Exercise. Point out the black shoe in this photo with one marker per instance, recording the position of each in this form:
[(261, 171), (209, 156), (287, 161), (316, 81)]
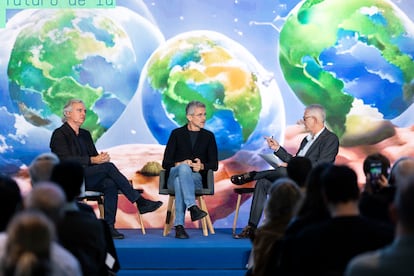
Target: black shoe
[(196, 213), (240, 179), (115, 234), (145, 205), (246, 233), (180, 232)]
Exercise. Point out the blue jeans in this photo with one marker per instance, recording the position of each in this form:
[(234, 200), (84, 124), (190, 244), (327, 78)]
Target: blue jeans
[(106, 178), (184, 182)]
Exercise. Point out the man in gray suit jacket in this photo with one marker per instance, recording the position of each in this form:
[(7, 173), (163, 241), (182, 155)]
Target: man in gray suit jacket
[(319, 146)]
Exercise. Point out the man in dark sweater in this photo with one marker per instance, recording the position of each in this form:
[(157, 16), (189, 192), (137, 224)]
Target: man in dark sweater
[(190, 152)]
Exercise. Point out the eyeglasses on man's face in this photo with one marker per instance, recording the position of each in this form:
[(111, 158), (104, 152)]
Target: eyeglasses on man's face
[(307, 117), (79, 110), (199, 115)]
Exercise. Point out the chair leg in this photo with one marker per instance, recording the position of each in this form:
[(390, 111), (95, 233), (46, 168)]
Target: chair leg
[(206, 222), (101, 208), (203, 220), (204, 226), (209, 223), (236, 214), (101, 211), (142, 223), (170, 216)]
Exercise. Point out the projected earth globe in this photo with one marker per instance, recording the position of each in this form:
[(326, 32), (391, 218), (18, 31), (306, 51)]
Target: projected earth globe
[(355, 57), (55, 55), (242, 102), (72, 54)]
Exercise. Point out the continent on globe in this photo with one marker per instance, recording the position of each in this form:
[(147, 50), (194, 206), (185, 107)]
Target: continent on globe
[(70, 54), (242, 105), (51, 55), (354, 57)]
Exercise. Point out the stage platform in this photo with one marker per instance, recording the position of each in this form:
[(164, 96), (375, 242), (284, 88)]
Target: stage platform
[(153, 254)]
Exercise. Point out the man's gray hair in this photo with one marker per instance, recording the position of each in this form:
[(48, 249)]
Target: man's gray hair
[(284, 199), (68, 107), (41, 167), (318, 111), (48, 198), (191, 106)]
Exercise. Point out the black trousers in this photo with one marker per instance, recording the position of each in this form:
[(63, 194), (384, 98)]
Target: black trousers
[(106, 178)]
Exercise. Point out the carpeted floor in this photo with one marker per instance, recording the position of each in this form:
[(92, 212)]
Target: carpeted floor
[(153, 254)]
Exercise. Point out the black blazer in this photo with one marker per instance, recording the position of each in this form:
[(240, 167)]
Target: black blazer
[(179, 148), (64, 144), (323, 150)]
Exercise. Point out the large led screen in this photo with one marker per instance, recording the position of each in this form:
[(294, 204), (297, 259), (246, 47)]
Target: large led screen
[(255, 64)]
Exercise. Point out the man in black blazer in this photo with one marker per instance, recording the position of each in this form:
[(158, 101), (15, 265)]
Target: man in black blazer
[(190, 152), (73, 143), (319, 146)]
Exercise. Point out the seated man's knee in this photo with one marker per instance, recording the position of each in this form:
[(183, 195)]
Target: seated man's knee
[(184, 168), (263, 184), (109, 166), (109, 186)]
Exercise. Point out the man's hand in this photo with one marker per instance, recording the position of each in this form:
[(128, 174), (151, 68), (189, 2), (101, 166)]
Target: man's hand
[(197, 165), (381, 183), (272, 143), (100, 158), (187, 161)]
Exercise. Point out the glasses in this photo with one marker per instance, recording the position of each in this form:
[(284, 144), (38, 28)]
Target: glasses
[(306, 117), (199, 115), (80, 110)]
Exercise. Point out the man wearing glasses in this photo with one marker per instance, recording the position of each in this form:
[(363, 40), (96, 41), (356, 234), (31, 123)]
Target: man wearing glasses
[(73, 143), (319, 146), (190, 152)]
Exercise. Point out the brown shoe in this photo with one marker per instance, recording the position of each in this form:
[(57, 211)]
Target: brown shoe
[(246, 233)]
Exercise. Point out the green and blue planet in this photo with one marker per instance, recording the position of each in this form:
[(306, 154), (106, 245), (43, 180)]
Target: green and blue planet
[(137, 66)]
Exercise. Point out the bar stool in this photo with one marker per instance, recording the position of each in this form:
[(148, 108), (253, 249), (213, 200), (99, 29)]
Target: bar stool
[(240, 192)]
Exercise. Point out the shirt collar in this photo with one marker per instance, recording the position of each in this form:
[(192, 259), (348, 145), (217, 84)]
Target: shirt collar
[(309, 137)]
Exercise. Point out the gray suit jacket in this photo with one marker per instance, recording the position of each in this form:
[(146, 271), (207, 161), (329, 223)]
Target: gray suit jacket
[(323, 150)]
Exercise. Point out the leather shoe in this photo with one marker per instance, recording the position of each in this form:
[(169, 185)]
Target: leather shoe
[(196, 213), (115, 234), (246, 233), (145, 205), (240, 179), (180, 232)]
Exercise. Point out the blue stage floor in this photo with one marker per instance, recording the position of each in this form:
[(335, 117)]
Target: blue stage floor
[(153, 254)]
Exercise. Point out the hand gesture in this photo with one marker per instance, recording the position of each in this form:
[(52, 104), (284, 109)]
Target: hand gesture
[(272, 143)]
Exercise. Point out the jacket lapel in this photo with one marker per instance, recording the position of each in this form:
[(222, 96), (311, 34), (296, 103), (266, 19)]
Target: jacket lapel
[(316, 142)]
